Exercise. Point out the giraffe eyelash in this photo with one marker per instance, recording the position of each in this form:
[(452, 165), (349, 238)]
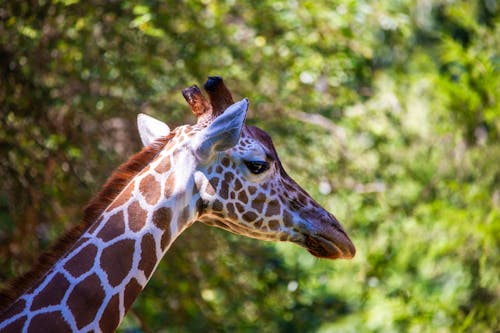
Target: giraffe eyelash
[(257, 167)]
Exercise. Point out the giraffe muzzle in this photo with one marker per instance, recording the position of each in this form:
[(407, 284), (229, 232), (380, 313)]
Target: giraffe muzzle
[(337, 246), (324, 237)]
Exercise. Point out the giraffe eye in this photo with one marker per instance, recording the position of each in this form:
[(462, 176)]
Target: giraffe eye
[(257, 167)]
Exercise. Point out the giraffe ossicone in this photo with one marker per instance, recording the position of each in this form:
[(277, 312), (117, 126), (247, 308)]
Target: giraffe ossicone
[(218, 171)]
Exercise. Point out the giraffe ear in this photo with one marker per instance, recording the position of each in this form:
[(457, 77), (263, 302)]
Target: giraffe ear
[(223, 132), (150, 128)]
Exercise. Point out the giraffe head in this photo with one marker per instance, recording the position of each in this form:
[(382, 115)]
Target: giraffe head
[(239, 181)]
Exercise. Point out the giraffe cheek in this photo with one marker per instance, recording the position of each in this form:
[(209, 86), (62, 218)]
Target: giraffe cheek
[(249, 216), (231, 211), (243, 197), (258, 202), (273, 208), (287, 219), (274, 225), (224, 190), (217, 206)]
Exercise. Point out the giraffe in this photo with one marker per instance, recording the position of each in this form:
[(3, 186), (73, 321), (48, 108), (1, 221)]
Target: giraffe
[(218, 171)]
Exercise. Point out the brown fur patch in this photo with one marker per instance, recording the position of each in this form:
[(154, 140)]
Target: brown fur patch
[(252, 190), (148, 254), (162, 218), (287, 218), (113, 186), (132, 290), (169, 185), (273, 208), (258, 202), (231, 213), (136, 216), (224, 190), (85, 300), (214, 182), (116, 260), (217, 206), (111, 315), (239, 207), (237, 185), (114, 227), (123, 198), (150, 189), (274, 224), (49, 322), (228, 177), (164, 165), (82, 261), (52, 294), (249, 216), (242, 197)]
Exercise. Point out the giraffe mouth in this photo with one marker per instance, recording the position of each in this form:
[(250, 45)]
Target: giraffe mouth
[(337, 246)]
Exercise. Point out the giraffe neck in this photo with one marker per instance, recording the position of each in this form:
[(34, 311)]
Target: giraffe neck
[(92, 286)]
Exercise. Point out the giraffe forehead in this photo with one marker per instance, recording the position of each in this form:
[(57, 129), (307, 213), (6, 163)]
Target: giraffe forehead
[(248, 148)]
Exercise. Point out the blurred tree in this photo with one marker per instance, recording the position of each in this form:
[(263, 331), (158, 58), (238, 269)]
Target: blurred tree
[(388, 113)]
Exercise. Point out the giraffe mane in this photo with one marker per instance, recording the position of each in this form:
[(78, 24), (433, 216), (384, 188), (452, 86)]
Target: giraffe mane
[(113, 186)]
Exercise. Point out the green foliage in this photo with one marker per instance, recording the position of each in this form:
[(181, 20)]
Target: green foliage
[(387, 112)]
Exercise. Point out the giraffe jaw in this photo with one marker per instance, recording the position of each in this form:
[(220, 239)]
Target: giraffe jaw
[(337, 246), (328, 241)]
